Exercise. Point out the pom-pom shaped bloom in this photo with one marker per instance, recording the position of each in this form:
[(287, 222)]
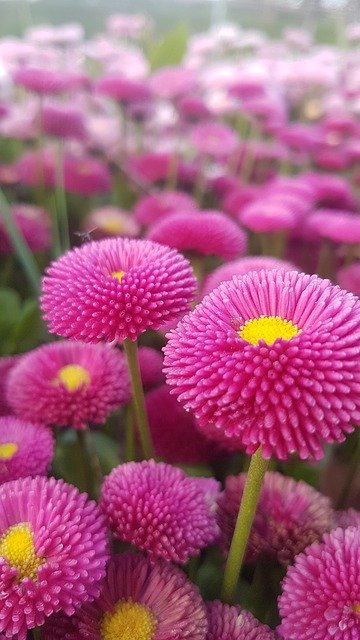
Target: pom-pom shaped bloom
[(337, 226), (348, 518), (62, 120), (349, 278), (159, 509), (26, 449), (241, 267), (154, 207), (69, 384), (123, 90), (233, 623), (42, 81), (110, 221), (174, 433), (53, 552), (37, 168), (271, 358), (268, 216), (140, 600), (34, 225), (206, 232), (85, 175), (213, 139), (321, 592), (151, 364), (116, 289), (290, 516)]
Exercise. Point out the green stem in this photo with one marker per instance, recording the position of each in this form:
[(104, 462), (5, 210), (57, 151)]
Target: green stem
[(131, 351), (129, 433), (60, 196), (89, 462), (22, 251), (351, 473), (37, 633), (250, 498)]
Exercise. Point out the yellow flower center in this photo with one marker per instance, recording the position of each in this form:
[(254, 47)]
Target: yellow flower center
[(8, 450), (128, 621), (118, 274), (112, 225), (356, 607), (268, 328), (18, 549), (73, 376)]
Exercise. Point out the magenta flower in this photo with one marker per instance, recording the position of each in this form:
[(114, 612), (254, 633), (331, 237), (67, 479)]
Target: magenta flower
[(123, 90), (268, 215), (69, 384), (42, 81), (62, 120), (332, 191), (26, 449), (154, 207), (151, 364), (172, 83), (110, 221), (53, 552), (159, 509), (271, 358), (321, 592), (233, 623), (37, 168), (116, 289), (86, 176), (205, 232), (348, 518), (213, 139), (33, 224), (337, 226), (174, 431), (241, 267), (349, 278), (290, 516), (141, 600)]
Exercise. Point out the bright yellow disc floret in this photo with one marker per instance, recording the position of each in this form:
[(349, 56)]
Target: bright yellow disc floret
[(18, 549), (128, 621), (268, 328)]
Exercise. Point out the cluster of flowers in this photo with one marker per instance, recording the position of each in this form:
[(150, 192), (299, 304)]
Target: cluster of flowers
[(239, 353)]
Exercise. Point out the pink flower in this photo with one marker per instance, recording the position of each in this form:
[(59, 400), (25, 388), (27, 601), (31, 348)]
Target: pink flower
[(114, 289), (268, 215), (110, 221), (337, 226), (62, 120), (271, 358), (53, 552), (151, 364), (321, 592), (332, 191), (151, 601), (213, 139), (348, 518), (241, 267), (42, 81), (37, 167), (234, 623), (290, 516), (85, 175), (33, 224), (205, 232), (26, 449), (171, 83), (154, 207), (159, 509), (123, 90), (69, 384), (349, 278), (174, 432)]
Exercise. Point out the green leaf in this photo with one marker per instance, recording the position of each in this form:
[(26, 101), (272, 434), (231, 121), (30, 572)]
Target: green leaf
[(10, 308), (171, 49)]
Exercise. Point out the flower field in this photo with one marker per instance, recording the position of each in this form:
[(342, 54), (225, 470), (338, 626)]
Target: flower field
[(179, 334)]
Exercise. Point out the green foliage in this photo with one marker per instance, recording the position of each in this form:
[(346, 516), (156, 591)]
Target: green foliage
[(170, 49), (20, 323)]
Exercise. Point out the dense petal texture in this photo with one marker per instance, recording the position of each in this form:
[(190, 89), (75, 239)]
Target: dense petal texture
[(289, 517), (233, 623), (207, 233), (271, 358), (321, 592), (158, 588), (26, 449), (116, 289), (53, 552), (69, 384), (159, 509)]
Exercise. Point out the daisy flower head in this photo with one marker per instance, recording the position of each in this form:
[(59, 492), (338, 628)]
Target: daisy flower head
[(26, 449), (115, 289), (53, 552), (69, 383), (159, 509), (140, 600), (271, 358), (234, 623), (321, 592)]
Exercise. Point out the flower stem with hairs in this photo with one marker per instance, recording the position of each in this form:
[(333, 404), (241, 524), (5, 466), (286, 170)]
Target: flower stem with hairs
[(131, 350), (255, 476)]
